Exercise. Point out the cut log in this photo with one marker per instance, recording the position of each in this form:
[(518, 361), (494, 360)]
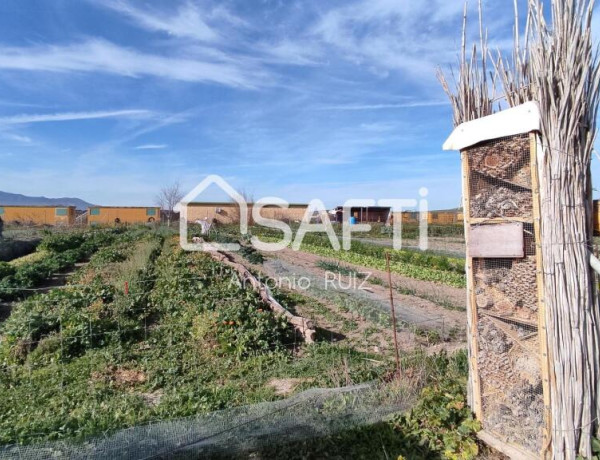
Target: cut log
[(506, 159), (303, 326), (483, 301)]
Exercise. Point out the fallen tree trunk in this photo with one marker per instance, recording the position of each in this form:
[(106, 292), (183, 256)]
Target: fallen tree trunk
[(303, 326)]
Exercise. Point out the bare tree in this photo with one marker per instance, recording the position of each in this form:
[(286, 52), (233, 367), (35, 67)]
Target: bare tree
[(235, 212), (168, 198)]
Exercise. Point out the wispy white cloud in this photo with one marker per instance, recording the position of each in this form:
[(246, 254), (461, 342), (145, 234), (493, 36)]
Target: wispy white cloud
[(71, 116), (215, 31), (102, 56), (188, 21), (151, 147), (402, 105), (385, 35), (301, 52), (19, 104), (17, 138), (155, 125)]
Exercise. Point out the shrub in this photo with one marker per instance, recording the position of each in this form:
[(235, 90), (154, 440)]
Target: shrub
[(59, 242), (6, 270)]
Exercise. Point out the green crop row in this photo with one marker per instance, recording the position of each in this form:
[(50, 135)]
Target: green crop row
[(401, 268), (187, 339), (377, 261), (423, 259), (88, 312), (61, 251)]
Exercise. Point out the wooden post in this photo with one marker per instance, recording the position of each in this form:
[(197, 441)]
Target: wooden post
[(474, 389), (389, 271), (542, 331)]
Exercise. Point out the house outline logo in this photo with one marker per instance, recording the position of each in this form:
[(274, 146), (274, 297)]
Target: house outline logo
[(182, 208)]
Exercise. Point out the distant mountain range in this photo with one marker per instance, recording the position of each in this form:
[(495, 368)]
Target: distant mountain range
[(16, 199)]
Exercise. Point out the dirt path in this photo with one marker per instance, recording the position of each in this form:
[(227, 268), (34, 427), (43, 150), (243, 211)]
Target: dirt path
[(426, 298), (372, 299), (355, 310)]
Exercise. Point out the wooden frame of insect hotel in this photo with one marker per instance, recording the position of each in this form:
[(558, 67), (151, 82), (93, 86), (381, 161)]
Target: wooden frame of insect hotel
[(508, 361)]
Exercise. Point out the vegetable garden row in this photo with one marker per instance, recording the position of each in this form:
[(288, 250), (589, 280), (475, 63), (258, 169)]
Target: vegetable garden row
[(145, 332), (412, 264)]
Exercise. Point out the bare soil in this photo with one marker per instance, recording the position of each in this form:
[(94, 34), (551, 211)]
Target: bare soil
[(413, 307)]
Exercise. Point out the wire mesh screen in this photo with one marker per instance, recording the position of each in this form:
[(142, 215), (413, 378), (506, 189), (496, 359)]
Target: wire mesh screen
[(507, 288), (508, 359), (505, 292), (242, 432), (500, 178)]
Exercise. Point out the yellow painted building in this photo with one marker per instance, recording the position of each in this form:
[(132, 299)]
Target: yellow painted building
[(113, 215), (229, 213), (443, 218), (38, 215), (434, 217)]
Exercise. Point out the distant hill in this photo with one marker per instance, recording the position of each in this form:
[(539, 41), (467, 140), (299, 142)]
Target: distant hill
[(17, 199)]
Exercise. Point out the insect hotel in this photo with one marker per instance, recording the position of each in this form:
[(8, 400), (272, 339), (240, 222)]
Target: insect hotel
[(508, 361)]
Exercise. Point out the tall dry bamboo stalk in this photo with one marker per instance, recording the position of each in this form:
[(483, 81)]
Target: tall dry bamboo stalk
[(471, 94), (470, 98), (563, 77), (559, 69)]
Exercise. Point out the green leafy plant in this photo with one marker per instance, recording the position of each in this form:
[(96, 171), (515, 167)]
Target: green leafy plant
[(595, 450), (6, 270), (412, 264), (441, 421)]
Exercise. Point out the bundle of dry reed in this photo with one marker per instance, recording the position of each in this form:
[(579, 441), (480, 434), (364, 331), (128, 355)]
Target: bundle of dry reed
[(559, 69)]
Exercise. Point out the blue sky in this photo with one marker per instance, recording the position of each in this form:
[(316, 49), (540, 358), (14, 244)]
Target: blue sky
[(110, 100)]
